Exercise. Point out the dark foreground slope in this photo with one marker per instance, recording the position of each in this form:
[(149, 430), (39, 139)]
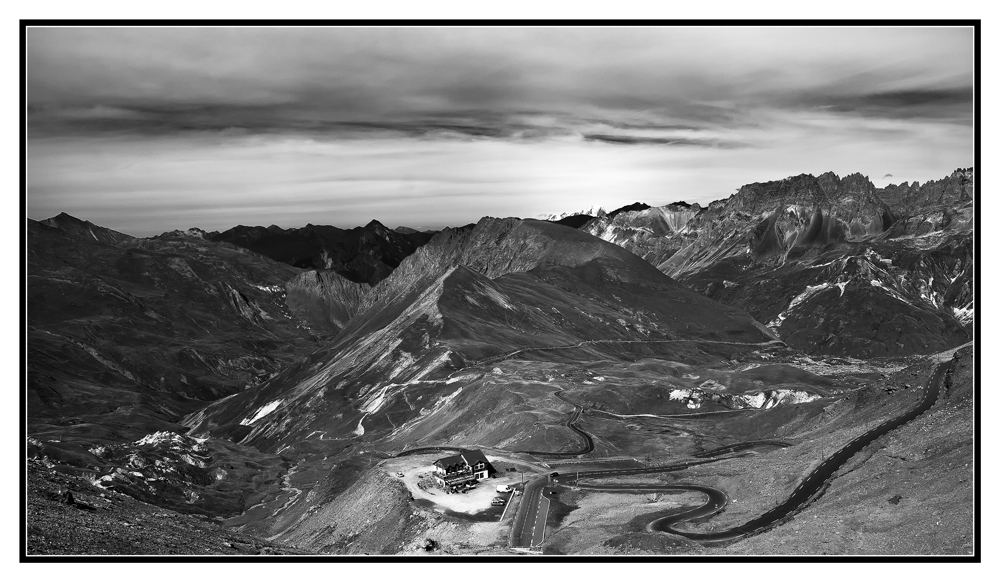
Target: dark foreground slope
[(68, 516)]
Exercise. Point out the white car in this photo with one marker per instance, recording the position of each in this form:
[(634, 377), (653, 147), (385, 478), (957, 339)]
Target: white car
[(504, 488)]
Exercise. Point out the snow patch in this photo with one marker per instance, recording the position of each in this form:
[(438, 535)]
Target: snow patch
[(445, 400), (160, 437), (798, 299), (436, 363), (360, 431), (680, 394), (890, 292), (375, 401), (965, 314), (262, 412)]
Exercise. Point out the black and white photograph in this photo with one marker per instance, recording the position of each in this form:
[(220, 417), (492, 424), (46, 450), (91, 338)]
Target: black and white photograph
[(513, 290)]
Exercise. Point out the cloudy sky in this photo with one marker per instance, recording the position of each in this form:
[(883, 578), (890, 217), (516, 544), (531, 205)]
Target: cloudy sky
[(150, 129)]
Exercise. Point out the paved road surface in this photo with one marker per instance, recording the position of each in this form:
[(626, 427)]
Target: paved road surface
[(527, 518)]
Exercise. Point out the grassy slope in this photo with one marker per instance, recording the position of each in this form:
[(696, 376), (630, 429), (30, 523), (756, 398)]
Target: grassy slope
[(911, 492)]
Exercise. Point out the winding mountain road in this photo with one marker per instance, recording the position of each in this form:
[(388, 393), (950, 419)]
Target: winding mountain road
[(588, 440), (813, 482), (530, 510)]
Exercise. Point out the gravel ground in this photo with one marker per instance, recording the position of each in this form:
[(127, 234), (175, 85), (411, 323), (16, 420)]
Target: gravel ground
[(418, 469)]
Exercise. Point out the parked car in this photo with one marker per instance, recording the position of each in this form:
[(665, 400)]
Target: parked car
[(400, 475), (504, 488), (498, 501)]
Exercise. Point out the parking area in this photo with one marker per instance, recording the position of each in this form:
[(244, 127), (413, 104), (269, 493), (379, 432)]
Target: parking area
[(418, 472)]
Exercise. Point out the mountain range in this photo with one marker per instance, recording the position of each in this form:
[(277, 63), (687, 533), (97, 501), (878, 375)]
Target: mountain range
[(270, 379), (813, 256)]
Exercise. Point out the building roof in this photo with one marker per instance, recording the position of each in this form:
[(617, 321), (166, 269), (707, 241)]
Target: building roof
[(475, 456), (452, 460), (467, 457)]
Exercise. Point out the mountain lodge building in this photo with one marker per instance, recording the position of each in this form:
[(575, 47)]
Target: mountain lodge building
[(461, 468)]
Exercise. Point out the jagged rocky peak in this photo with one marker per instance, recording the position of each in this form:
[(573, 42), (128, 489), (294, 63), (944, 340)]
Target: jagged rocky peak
[(593, 211), (378, 227), (955, 190), (804, 211), (193, 232), (683, 205), (635, 206), (661, 220), (764, 197)]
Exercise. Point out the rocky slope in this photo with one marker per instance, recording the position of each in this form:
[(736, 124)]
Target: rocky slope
[(466, 297), (833, 265), (68, 515), (652, 233), (363, 254), (954, 191), (125, 335)]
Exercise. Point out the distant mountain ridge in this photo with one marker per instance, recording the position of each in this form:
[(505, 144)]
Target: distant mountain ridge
[(593, 211), (363, 254), (73, 225)]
